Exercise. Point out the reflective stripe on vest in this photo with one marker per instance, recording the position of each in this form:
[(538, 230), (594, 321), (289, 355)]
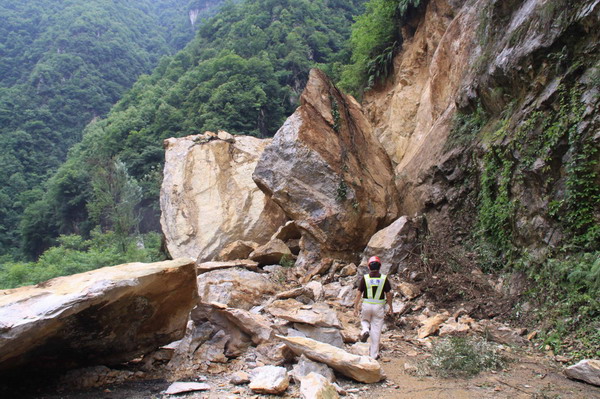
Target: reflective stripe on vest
[(371, 282)]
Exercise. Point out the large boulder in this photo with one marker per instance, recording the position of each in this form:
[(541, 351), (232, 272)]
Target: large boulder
[(208, 198), (397, 244), (360, 368), (329, 173), (105, 316), (236, 288)]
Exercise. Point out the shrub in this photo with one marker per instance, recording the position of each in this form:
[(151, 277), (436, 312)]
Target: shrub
[(463, 357)]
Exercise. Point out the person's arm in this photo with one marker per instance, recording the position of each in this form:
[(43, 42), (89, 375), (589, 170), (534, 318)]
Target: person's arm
[(357, 302), (388, 296)]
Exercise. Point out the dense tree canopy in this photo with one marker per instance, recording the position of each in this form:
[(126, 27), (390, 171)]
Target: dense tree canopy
[(63, 64), (242, 73)]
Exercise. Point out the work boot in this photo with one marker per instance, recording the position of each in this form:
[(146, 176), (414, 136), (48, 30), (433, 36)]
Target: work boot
[(364, 336)]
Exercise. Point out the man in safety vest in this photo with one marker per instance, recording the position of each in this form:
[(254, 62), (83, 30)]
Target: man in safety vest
[(374, 290)]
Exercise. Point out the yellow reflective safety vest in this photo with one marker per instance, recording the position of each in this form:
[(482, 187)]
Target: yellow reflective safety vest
[(379, 282)]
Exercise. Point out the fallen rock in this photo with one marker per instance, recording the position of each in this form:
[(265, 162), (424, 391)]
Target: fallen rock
[(453, 328), (317, 289), (431, 325), (360, 348), (499, 333), (360, 368), (347, 296), (396, 244), (182, 387), (294, 293), (328, 172), (236, 250), (587, 370), (315, 386), (240, 378), (332, 290), (306, 366), (318, 314), (105, 316), (210, 266), (274, 353), (256, 326), (236, 288), (408, 290), (331, 336), (269, 380), (349, 270), (208, 198), (271, 253)]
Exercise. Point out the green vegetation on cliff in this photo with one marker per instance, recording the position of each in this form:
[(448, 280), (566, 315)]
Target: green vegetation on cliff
[(376, 38)]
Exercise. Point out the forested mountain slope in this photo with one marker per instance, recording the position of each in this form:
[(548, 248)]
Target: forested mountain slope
[(242, 73), (62, 64)]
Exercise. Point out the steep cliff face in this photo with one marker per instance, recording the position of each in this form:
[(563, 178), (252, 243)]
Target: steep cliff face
[(491, 118)]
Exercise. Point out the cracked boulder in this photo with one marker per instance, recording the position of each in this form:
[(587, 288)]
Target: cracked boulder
[(327, 171)]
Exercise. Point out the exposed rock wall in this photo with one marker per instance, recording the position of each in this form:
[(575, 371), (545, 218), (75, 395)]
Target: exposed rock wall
[(494, 66), (208, 198), (328, 172)]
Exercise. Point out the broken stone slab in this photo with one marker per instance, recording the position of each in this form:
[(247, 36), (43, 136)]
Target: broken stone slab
[(242, 263), (328, 335), (305, 366), (274, 353), (272, 380), (105, 316), (315, 386), (236, 288), (587, 370), (182, 387), (258, 327), (360, 368), (319, 314), (431, 325), (271, 253), (348, 270), (294, 293)]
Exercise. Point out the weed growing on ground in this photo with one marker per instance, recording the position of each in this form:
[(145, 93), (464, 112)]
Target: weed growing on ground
[(463, 357)]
